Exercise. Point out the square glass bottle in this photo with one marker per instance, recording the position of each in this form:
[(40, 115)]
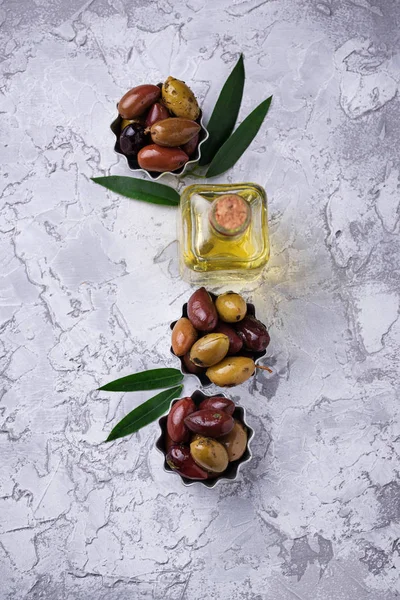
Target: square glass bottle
[(223, 232)]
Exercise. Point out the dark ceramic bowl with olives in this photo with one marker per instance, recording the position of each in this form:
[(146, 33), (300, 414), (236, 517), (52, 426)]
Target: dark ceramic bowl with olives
[(205, 439), (159, 128), (219, 339)]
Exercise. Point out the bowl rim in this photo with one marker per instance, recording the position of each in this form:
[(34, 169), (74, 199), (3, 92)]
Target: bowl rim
[(152, 175), (208, 483)]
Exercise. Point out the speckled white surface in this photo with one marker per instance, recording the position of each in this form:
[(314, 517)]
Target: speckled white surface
[(90, 282)]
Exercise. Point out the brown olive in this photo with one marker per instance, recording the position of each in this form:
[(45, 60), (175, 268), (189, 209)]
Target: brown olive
[(231, 371), (201, 310), (235, 341), (191, 367), (191, 146), (137, 100), (168, 442), (209, 350), (184, 336), (209, 454), (218, 403), (235, 441), (173, 131), (231, 307), (157, 112), (209, 422), (181, 461), (176, 427), (157, 158), (253, 333)]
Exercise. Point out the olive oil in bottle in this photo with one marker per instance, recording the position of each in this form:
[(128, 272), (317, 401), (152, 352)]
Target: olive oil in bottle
[(223, 232)]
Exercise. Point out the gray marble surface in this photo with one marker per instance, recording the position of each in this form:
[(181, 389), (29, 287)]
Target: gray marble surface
[(89, 283)]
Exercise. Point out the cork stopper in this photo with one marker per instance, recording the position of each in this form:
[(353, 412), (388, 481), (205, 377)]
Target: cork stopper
[(230, 214)]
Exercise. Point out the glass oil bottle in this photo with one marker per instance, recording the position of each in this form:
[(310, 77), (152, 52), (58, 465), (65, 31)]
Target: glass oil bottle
[(223, 233)]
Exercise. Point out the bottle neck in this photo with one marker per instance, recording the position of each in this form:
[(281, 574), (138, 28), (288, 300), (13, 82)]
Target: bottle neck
[(230, 215)]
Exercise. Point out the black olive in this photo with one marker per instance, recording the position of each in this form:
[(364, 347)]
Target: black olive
[(132, 139)]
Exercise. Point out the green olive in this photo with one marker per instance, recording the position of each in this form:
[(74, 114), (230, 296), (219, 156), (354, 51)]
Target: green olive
[(179, 99), (209, 350), (235, 441), (231, 307), (126, 122), (209, 454), (231, 371)]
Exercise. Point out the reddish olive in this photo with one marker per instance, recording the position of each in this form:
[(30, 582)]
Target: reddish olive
[(191, 367), (168, 442), (210, 423), (253, 333), (218, 403), (160, 159), (191, 146), (176, 427), (235, 341), (157, 112), (201, 310), (137, 100), (181, 461)]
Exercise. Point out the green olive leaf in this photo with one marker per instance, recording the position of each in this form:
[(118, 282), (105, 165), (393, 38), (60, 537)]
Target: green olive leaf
[(139, 189), (239, 141), (144, 414), (153, 379), (224, 115)]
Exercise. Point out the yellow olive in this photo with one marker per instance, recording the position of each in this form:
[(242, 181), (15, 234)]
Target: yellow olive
[(179, 99), (231, 371), (209, 350), (209, 454), (184, 336), (231, 307), (235, 441), (126, 122)]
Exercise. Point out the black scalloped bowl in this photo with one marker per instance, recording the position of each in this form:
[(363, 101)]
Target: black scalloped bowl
[(233, 469), (203, 379), (153, 175)]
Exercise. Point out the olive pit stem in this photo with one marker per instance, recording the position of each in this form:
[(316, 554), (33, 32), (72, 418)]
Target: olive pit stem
[(264, 368)]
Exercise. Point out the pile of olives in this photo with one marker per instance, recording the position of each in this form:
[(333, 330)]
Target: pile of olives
[(159, 128), (218, 338), (201, 440)]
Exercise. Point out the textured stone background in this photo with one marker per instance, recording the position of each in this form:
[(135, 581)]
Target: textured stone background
[(89, 284)]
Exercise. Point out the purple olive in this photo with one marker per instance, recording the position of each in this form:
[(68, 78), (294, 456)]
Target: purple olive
[(253, 333), (218, 403), (176, 428), (201, 310), (181, 461), (132, 139), (209, 422), (235, 341)]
